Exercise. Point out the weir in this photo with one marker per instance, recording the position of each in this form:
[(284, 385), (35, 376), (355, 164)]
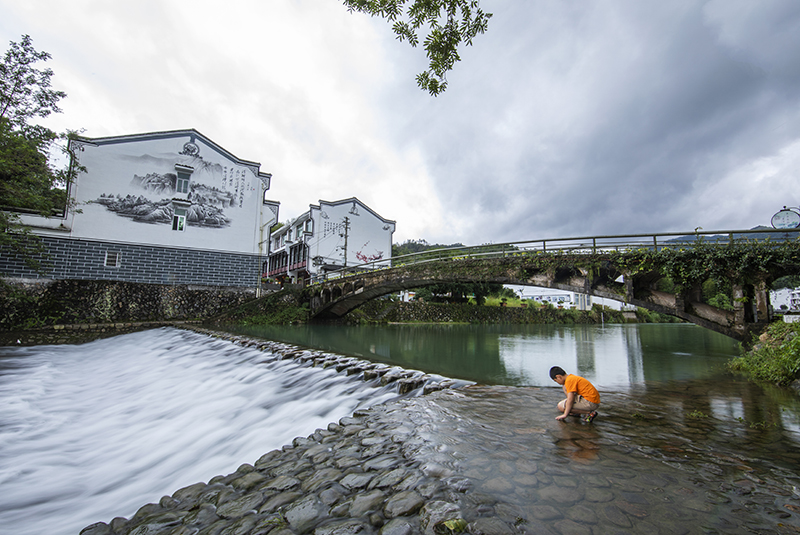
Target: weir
[(93, 431)]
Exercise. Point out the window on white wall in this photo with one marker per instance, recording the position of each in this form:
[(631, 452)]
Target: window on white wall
[(309, 227), (184, 173), (182, 185), (179, 219), (113, 259)]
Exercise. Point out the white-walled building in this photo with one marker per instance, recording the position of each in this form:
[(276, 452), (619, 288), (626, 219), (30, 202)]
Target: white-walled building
[(329, 237), (566, 299), (785, 299), (164, 207)]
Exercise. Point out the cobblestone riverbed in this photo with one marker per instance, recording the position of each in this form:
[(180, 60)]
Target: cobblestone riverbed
[(492, 460)]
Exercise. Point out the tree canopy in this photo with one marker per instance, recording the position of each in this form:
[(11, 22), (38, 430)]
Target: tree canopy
[(25, 91), (28, 183), (449, 24)]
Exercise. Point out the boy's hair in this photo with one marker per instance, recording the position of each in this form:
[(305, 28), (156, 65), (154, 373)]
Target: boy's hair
[(556, 370)]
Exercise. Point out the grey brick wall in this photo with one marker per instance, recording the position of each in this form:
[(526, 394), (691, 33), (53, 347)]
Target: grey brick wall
[(85, 259)]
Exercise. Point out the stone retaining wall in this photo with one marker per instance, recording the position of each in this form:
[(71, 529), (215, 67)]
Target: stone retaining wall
[(29, 304), (79, 333)]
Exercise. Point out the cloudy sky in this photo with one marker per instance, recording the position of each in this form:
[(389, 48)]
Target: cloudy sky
[(567, 118)]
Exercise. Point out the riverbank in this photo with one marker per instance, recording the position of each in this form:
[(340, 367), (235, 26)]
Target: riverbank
[(289, 307), (492, 460), (775, 358)]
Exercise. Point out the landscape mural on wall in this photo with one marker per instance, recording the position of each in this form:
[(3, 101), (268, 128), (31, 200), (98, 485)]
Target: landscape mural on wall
[(205, 204)]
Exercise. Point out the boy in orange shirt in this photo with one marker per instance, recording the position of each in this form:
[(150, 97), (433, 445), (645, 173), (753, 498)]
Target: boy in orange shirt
[(582, 396)]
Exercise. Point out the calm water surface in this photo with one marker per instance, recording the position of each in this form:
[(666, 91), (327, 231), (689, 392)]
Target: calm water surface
[(611, 356), (91, 432)]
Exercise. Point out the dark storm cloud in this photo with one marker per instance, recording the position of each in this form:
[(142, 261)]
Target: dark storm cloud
[(575, 118)]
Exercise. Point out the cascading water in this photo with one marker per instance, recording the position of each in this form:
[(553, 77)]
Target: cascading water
[(94, 431)]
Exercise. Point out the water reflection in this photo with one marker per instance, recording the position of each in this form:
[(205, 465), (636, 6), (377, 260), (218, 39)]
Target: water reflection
[(611, 356)]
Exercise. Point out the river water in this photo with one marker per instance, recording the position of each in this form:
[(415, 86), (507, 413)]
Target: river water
[(612, 356), (91, 432), (94, 431)]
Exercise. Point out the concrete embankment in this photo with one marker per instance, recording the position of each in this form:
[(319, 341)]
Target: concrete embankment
[(356, 476)]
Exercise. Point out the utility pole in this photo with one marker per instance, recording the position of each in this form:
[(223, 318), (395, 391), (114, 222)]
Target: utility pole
[(346, 229)]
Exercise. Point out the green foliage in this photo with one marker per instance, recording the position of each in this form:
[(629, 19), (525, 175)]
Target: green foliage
[(776, 358), (697, 415), (456, 292), (694, 264), (449, 23), (665, 284), (287, 306), (24, 90), (788, 281), (762, 424), (718, 294), (27, 181), (284, 316), (418, 246)]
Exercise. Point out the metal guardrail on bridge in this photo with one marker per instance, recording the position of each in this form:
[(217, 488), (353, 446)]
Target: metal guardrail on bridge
[(582, 245)]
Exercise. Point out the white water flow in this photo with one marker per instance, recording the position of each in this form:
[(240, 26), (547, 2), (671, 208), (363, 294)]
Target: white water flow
[(94, 431)]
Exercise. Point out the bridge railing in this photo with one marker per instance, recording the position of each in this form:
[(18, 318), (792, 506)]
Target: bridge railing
[(580, 245)]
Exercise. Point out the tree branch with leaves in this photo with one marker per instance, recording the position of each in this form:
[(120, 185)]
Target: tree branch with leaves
[(449, 24), (28, 182)]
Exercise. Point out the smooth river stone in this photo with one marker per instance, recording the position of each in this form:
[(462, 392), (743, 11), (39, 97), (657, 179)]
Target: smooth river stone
[(573, 528), (598, 495), (363, 503), (282, 483), (305, 513), (403, 503), (240, 507), (497, 484), (490, 526), (357, 481), (545, 512), (581, 514), (561, 495), (348, 527)]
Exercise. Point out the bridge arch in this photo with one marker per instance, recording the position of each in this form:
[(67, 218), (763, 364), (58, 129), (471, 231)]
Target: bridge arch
[(627, 273)]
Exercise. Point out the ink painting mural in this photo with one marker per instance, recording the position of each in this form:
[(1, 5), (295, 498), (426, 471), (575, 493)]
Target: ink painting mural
[(173, 188)]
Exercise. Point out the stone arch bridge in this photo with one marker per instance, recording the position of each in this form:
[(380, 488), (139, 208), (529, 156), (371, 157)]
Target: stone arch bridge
[(629, 269)]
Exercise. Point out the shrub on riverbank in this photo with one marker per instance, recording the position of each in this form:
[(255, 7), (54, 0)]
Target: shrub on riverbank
[(281, 308), (288, 306), (776, 358), (397, 312)]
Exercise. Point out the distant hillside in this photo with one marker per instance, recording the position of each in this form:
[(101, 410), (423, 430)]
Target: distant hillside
[(417, 246)]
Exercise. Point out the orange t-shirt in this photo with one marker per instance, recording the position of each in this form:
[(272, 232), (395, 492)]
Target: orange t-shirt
[(585, 389)]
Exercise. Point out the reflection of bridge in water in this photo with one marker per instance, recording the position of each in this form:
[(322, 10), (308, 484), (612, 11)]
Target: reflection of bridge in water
[(630, 269)]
